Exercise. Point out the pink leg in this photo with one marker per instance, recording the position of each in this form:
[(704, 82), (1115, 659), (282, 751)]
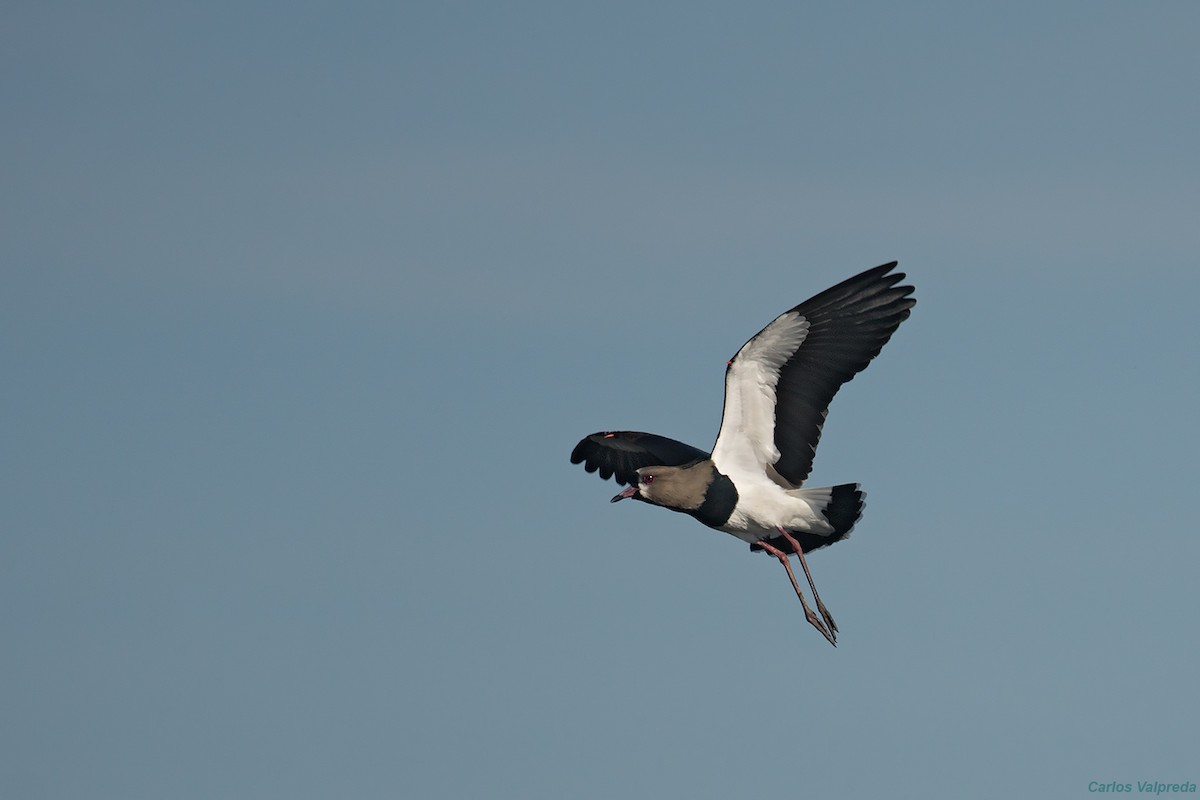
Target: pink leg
[(808, 612), (820, 606)]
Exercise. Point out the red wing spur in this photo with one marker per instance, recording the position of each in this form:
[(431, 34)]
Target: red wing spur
[(777, 391)]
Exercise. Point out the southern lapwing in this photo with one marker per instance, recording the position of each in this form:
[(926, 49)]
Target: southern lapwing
[(777, 393)]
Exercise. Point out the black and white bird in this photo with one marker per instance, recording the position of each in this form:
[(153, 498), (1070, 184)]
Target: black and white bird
[(777, 392)]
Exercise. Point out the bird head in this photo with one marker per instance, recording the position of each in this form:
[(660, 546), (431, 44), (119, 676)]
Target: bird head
[(679, 488), (640, 490)]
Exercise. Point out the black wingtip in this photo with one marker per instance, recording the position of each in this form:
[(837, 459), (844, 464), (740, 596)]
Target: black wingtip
[(621, 453)]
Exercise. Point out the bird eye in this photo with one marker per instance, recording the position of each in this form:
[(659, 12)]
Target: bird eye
[(646, 479)]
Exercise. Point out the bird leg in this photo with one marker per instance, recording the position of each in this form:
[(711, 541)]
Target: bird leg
[(820, 606), (808, 612)]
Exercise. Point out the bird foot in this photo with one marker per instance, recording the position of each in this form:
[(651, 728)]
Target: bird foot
[(816, 623), (833, 628)]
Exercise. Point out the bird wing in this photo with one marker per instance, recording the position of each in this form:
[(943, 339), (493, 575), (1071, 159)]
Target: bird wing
[(622, 453), (779, 385)]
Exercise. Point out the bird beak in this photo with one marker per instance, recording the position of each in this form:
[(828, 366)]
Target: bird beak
[(630, 492)]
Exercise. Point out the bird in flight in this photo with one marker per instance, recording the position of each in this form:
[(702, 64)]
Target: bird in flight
[(777, 392)]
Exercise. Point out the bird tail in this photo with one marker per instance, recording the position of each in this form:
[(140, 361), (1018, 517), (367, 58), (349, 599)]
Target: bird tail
[(842, 509), (841, 506)]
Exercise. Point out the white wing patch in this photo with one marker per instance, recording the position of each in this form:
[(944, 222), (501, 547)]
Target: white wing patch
[(746, 443)]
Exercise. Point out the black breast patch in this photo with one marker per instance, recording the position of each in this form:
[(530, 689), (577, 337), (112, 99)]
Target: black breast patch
[(719, 501)]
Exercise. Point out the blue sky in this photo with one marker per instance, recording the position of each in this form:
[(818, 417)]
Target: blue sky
[(305, 305)]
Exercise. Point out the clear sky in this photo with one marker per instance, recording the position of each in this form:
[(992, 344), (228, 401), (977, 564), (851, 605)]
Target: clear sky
[(304, 306)]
